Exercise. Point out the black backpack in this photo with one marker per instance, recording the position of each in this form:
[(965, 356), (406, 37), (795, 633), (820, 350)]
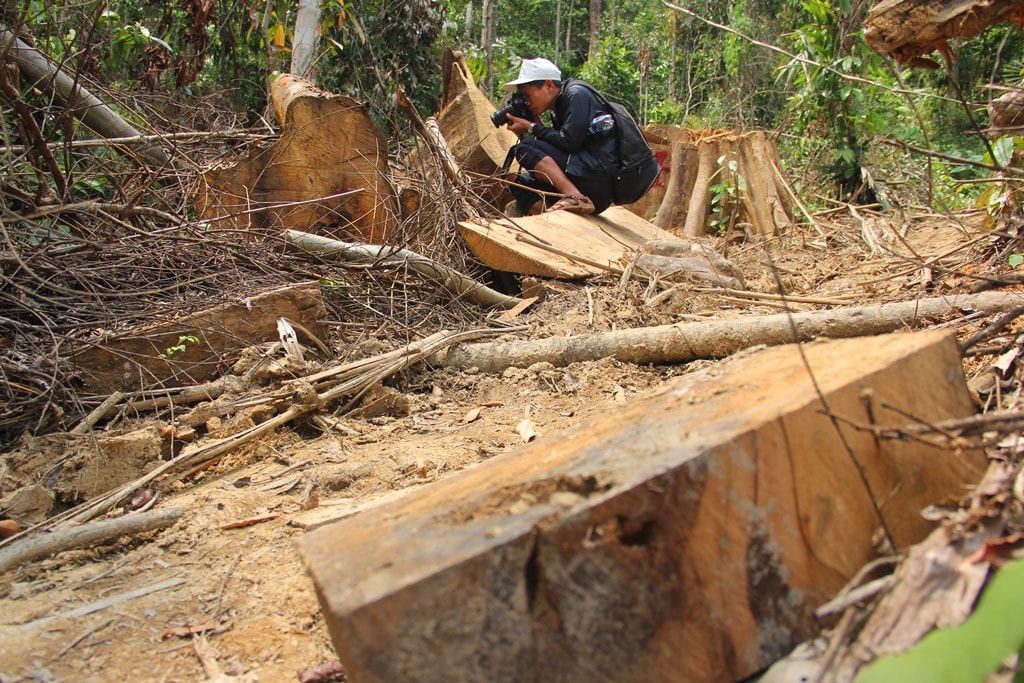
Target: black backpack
[(637, 168)]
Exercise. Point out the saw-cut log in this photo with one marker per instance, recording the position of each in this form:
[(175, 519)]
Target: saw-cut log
[(326, 174), (559, 244), (908, 29), (688, 535), (164, 354)]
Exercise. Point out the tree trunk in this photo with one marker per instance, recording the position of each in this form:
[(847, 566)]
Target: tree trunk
[(595, 27), (908, 29), (684, 342), (307, 38), (747, 161), (687, 534)]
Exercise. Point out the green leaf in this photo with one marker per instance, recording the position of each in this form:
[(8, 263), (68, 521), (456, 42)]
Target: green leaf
[(1003, 150), (1015, 260), (972, 650)]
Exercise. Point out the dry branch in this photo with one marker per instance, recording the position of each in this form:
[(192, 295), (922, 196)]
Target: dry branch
[(684, 342), (308, 395), (451, 280), (35, 547)]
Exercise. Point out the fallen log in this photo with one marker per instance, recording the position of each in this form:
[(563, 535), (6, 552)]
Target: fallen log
[(36, 547), (85, 106), (683, 342), (453, 281), (155, 355), (908, 29), (688, 535)]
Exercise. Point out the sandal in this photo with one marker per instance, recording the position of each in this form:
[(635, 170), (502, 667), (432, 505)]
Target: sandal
[(573, 203)]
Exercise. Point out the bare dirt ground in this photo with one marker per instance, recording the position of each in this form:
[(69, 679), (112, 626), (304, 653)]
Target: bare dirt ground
[(130, 610)]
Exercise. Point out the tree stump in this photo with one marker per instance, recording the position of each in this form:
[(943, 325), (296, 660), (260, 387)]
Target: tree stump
[(716, 179), (326, 174), (465, 123)]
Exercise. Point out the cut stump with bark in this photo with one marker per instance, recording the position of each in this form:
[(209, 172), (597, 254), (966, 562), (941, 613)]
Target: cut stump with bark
[(686, 536), (326, 174), (716, 177)]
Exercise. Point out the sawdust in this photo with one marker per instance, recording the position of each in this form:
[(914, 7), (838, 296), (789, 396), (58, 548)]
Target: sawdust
[(245, 587)]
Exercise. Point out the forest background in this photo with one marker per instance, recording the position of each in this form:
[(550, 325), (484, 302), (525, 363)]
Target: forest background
[(850, 124)]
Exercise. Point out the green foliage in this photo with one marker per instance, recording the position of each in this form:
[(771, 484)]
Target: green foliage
[(614, 71), (727, 195), (972, 650), (180, 347)]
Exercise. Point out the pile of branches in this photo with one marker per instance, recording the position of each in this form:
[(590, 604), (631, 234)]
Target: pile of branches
[(96, 239)]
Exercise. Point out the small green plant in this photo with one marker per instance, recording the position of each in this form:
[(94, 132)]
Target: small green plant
[(180, 347), (726, 195)]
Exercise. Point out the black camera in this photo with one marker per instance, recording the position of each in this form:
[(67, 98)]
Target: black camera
[(515, 105)]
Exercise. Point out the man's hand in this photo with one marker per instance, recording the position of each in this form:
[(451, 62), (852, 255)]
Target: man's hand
[(518, 126)]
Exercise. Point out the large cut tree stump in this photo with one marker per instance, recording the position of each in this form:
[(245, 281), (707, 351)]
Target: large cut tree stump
[(695, 161), (464, 122), (684, 536), (326, 174), (908, 29)]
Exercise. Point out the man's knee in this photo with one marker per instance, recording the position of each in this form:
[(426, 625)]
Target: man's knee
[(528, 154)]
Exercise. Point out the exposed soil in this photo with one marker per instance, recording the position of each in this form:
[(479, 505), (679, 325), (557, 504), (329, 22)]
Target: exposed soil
[(246, 588)]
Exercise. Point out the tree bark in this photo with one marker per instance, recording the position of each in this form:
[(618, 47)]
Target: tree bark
[(37, 547), (700, 200), (685, 342), (595, 27), (451, 280), (907, 29)]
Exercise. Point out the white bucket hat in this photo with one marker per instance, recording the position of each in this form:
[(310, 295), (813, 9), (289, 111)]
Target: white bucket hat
[(532, 70)]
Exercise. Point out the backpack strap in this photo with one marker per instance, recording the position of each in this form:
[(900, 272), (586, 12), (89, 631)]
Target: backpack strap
[(606, 162)]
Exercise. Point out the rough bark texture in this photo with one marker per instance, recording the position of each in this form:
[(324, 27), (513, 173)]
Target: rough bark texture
[(684, 342), (908, 29), (686, 537), (465, 122), (695, 160), (326, 174)]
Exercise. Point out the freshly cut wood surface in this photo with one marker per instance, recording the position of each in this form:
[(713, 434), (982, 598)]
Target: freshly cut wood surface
[(326, 174), (686, 536), (531, 245)]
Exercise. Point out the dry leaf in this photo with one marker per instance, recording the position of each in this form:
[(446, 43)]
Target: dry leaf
[(8, 528), (471, 415), (527, 430)]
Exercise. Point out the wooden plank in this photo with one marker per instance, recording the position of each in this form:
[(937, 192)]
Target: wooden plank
[(132, 361), (517, 245), (684, 536)]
